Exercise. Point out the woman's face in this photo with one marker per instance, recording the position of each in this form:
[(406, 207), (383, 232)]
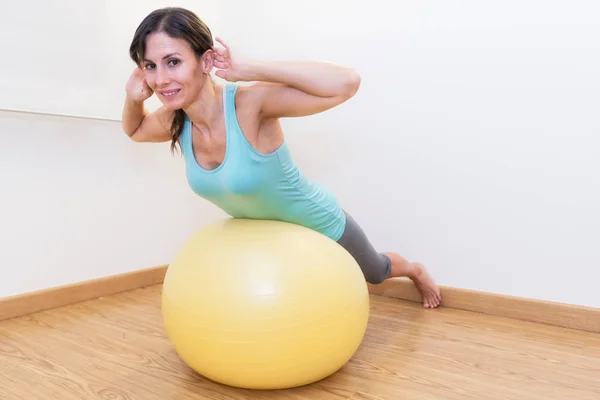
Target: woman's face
[(173, 71)]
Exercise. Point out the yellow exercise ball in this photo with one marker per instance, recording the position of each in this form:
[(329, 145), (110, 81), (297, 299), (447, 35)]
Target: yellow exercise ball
[(263, 304)]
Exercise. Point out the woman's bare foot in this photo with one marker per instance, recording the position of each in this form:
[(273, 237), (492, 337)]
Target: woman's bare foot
[(430, 292)]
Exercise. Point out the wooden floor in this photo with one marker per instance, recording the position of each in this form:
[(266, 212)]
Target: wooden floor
[(115, 349)]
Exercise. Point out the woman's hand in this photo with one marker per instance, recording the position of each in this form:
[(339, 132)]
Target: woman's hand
[(137, 89), (227, 67)]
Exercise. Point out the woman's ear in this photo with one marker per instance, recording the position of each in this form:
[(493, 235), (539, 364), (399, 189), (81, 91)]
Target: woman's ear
[(208, 61)]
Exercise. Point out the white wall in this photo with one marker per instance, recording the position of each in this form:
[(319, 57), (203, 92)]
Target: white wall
[(80, 201), (480, 119), (65, 57)]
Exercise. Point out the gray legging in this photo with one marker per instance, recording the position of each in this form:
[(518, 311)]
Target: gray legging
[(375, 266)]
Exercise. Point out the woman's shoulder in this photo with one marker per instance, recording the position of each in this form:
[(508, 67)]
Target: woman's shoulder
[(248, 92), (249, 97)]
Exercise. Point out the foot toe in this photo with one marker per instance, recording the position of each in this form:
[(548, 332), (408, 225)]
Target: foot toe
[(433, 301)]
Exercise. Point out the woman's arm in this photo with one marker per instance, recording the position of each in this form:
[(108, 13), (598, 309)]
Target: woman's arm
[(137, 122), (143, 126), (291, 89), (133, 114), (316, 78)]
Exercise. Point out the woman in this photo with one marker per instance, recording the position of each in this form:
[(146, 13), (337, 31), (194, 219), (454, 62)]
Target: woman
[(230, 136)]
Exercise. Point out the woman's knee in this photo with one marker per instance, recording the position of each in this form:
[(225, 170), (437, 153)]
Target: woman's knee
[(376, 267), (377, 272)]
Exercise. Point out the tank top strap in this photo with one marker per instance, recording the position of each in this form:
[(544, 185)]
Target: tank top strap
[(229, 91), (235, 137)]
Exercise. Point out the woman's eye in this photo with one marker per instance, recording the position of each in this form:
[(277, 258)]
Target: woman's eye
[(173, 62)]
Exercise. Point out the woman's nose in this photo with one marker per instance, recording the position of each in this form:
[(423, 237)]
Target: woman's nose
[(162, 76)]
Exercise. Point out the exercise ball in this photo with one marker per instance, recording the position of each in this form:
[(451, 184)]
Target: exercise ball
[(261, 304)]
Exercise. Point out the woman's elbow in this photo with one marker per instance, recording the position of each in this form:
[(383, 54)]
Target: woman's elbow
[(352, 83)]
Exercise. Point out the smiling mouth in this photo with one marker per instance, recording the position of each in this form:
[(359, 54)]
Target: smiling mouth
[(170, 93)]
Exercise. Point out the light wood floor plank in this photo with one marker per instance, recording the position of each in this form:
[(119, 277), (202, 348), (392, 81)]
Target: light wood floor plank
[(116, 348)]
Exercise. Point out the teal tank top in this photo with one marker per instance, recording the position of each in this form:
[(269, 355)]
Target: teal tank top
[(248, 184)]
